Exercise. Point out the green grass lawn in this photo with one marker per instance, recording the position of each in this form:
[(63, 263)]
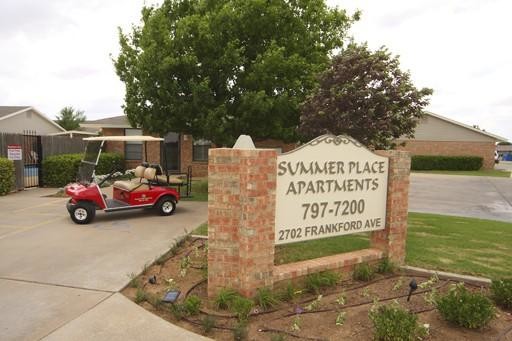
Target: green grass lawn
[(201, 230), (199, 190), (455, 244), (490, 172), (463, 245)]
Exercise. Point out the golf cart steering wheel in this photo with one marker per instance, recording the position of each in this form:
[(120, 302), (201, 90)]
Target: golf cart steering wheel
[(107, 177)]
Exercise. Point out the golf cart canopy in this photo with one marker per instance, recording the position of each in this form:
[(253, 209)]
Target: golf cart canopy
[(140, 138)]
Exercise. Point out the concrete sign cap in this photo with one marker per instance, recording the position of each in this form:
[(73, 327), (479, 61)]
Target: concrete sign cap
[(244, 142)]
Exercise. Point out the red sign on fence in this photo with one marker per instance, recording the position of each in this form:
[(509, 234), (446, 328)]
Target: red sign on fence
[(14, 152)]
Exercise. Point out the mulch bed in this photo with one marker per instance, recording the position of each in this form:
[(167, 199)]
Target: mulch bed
[(318, 324)]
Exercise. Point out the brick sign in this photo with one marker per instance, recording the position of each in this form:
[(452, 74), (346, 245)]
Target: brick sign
[(328, 187)]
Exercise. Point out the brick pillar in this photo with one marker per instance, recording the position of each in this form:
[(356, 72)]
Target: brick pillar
[(392, 239), (241, 210)]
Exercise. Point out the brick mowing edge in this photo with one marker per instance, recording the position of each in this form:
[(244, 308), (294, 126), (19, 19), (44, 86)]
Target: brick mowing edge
[(344, 261)]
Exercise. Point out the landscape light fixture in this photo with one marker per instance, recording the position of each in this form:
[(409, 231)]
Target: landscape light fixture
[(412, 286), (171, 296)]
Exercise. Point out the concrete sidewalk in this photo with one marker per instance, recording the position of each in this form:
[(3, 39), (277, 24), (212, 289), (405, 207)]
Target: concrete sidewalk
[(119, 319)]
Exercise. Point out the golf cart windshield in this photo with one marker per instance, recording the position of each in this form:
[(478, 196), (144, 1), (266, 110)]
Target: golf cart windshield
[(88, 163)]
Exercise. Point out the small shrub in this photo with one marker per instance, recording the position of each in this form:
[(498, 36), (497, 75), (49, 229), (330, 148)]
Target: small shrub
[(501, 292), (184, 265), (134, 280), (7, 177), (145, 268), (171, 284), (192, 304), (363, 272), (465, 308), (266, 299), (177, 310), (340, 318), (154, 300), (454, 163), (241, 306), (240, 331), (288, 293), (59, 170), (296, 323), (208, 323), (385, 266), (140, 296), (430, 282), (224, 298), (392, 322), (314, 305), (163, 258), (341, 299), (109, 162), (315, 282)]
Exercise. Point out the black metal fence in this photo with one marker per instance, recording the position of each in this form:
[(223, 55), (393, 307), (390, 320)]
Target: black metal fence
[(32, 155), (35, 148)]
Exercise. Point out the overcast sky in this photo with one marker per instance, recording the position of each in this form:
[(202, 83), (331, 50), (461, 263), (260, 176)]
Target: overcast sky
[(57, 53)]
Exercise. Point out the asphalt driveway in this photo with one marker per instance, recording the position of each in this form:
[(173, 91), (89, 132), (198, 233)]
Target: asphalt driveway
[(468, 196), (53, 271)]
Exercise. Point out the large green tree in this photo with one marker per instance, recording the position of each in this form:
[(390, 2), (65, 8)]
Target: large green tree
[(69, 118), (366, 95), (220, 68)]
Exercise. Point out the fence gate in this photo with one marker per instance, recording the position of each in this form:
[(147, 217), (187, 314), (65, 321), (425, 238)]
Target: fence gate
[(32, 157)]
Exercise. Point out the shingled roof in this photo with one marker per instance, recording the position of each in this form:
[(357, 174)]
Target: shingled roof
[(110, 122), (7, 110)]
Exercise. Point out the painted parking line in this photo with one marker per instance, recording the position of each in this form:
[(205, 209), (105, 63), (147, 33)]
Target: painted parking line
[(10, 226), (31, 227), (40, 205)]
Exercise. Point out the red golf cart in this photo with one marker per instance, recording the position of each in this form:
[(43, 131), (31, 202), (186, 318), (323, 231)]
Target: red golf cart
[(150, 187)]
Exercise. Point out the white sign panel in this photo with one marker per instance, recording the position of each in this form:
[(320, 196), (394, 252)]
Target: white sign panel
[(328, 187), (14, 152)]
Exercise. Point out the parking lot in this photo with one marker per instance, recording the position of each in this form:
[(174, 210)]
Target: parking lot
[(467, 196), (53, 271)]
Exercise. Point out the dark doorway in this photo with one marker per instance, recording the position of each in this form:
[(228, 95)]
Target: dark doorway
[(172, 150)]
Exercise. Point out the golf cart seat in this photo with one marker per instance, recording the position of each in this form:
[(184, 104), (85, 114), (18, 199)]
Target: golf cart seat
[(161, 178), (131, 185), (134, 186), (173, 180)]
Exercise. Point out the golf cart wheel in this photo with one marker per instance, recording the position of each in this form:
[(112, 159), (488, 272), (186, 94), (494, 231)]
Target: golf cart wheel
[(166, 205), (83, 213)]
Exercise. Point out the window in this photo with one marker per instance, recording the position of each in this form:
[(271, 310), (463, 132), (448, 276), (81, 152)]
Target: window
[(200, 151), (132, 149)]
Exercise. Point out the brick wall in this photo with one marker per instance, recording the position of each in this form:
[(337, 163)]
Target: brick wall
[(114, 146), (241, 209), (199, 168), (392, 239), (453, 148)]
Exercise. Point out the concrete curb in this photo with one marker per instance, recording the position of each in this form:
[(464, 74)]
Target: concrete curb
[(448, 275)]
